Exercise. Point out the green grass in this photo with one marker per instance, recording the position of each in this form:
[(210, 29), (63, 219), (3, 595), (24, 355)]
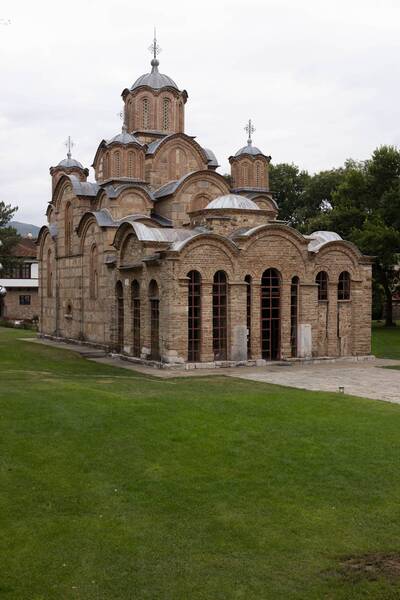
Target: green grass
[(385, 340), (118, 486)]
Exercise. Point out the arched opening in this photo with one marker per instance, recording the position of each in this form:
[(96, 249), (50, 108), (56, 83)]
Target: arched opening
[(117, 163), (344, 286), (220, 315), (294, 312), (93, 272), (131, 164), (146, 113), (165, 113), (136, 318), (154, 320), (119, 296), (270, 314), (248, 313), (194, 316), (68, 225), (322, 282)]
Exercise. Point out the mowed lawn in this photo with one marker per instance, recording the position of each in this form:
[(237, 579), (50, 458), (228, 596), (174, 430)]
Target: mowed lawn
[(385, 340), (118, 486)]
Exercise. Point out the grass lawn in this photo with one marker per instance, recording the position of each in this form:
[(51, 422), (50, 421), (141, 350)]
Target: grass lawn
[(385, 340), (116, 486)]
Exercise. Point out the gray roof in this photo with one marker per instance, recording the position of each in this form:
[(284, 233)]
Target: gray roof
[(154, 79), (234, 201), (249, 149), (212, 159), (155, 234), (83, 188), (170, 187), (70, 162), (320, 238), (124, 138)]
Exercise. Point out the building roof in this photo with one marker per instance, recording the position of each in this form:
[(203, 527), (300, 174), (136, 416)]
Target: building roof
[(154, 79), (124, 138), (249, 149), (320, 238), (26, 248), (232, 201), (69, 163), (212, 159)]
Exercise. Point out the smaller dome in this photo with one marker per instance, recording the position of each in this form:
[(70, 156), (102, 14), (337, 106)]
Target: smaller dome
[(154, 79), (69, 163), (124, 138), (249, 149), (234, 201)]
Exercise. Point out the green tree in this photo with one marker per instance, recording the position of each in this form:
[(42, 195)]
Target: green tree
[(8, 237), (288, 183)]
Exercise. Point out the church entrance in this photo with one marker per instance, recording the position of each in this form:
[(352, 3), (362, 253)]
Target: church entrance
[(119, 293), (271, 314)]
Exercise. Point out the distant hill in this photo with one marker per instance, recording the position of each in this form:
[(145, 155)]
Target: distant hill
[(25, 228)]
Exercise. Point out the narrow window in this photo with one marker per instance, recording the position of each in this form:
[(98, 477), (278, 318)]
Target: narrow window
[(117, 163), (130, 164), (194, 316), (258, 175), (145, 113), (270, 314), (294, 311), (165, 114), (220, 315), (245, 175), (322, 281), (49, 275), (248, 314), (344, 286), (24, 300), (93, 272), (136, 318), (154, 320), (106, 166), (68, 225)]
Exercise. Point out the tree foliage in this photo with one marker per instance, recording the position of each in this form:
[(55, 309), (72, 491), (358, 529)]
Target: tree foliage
[(9, 238)]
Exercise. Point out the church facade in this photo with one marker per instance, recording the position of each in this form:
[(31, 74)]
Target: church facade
[(163, 259)]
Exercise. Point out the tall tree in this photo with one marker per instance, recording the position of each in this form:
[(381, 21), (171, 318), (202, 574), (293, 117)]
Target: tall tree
[(9, 237)]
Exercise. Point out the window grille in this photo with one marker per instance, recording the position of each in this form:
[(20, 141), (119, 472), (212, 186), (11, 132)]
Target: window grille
[(294, 311), (136, 318), (117, 163), (220, 315), (130, 164), (165, 115), (270, 314), (344, 286), (322, 281), (248, 314), (24, 300), (119, 293), (145, 113), (194, 316), (154, 320)]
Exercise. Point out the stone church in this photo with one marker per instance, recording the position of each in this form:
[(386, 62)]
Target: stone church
[(163, 259)]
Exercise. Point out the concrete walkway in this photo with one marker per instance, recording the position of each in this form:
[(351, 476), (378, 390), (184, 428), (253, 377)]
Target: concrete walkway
[(364, 378)]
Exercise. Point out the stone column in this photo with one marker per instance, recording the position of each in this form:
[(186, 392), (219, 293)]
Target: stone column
[(237, 334), (307, 330), (333, 343), (175, 320)]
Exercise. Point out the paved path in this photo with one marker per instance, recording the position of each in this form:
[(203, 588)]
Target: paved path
[(364, 378)]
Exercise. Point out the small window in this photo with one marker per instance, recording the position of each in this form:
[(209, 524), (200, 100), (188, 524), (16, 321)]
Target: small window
[(145, 113), (25, 300), (344, 286), (165, 115), (322, 282)]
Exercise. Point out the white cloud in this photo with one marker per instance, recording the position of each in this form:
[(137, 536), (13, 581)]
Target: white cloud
[(319, 79)]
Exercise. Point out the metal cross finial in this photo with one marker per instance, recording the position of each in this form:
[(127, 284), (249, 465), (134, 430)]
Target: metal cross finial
[(250, 129), (70, 144), (155, 48)]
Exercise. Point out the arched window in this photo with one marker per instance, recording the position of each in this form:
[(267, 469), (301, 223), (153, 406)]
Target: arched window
[(117, 164), (136, 318), (344, 286), (181, 117), (270, 314), (294, 311), (248, 314), (245, 175), (49, 269), (119, 297), (68, 225), (93, 273), (106, 166), (165, 113), (220, 315), (154, 320), (322, 281), (194, 316), (131, 163), (146, 113)]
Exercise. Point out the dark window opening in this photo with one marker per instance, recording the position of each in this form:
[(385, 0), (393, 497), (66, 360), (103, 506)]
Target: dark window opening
[(344, 286), (220, 315), (194, 316), (25, 300), (270, 314), (154, 321), (322, 282), (136, 318), (248, 314), (119, 292)]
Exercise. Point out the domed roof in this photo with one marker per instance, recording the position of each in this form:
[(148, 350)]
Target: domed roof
[(249, 149), (70, 162), (154, 79), (232, 201), (124, 138)]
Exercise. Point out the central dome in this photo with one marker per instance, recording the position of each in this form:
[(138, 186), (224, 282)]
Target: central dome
[(234, 201), (155, 79)]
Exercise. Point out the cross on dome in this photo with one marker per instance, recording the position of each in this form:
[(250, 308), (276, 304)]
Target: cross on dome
[(69, 144), (250, 129), (155, 49)]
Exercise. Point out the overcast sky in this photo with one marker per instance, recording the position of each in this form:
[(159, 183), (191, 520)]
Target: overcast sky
[(319, 79)]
